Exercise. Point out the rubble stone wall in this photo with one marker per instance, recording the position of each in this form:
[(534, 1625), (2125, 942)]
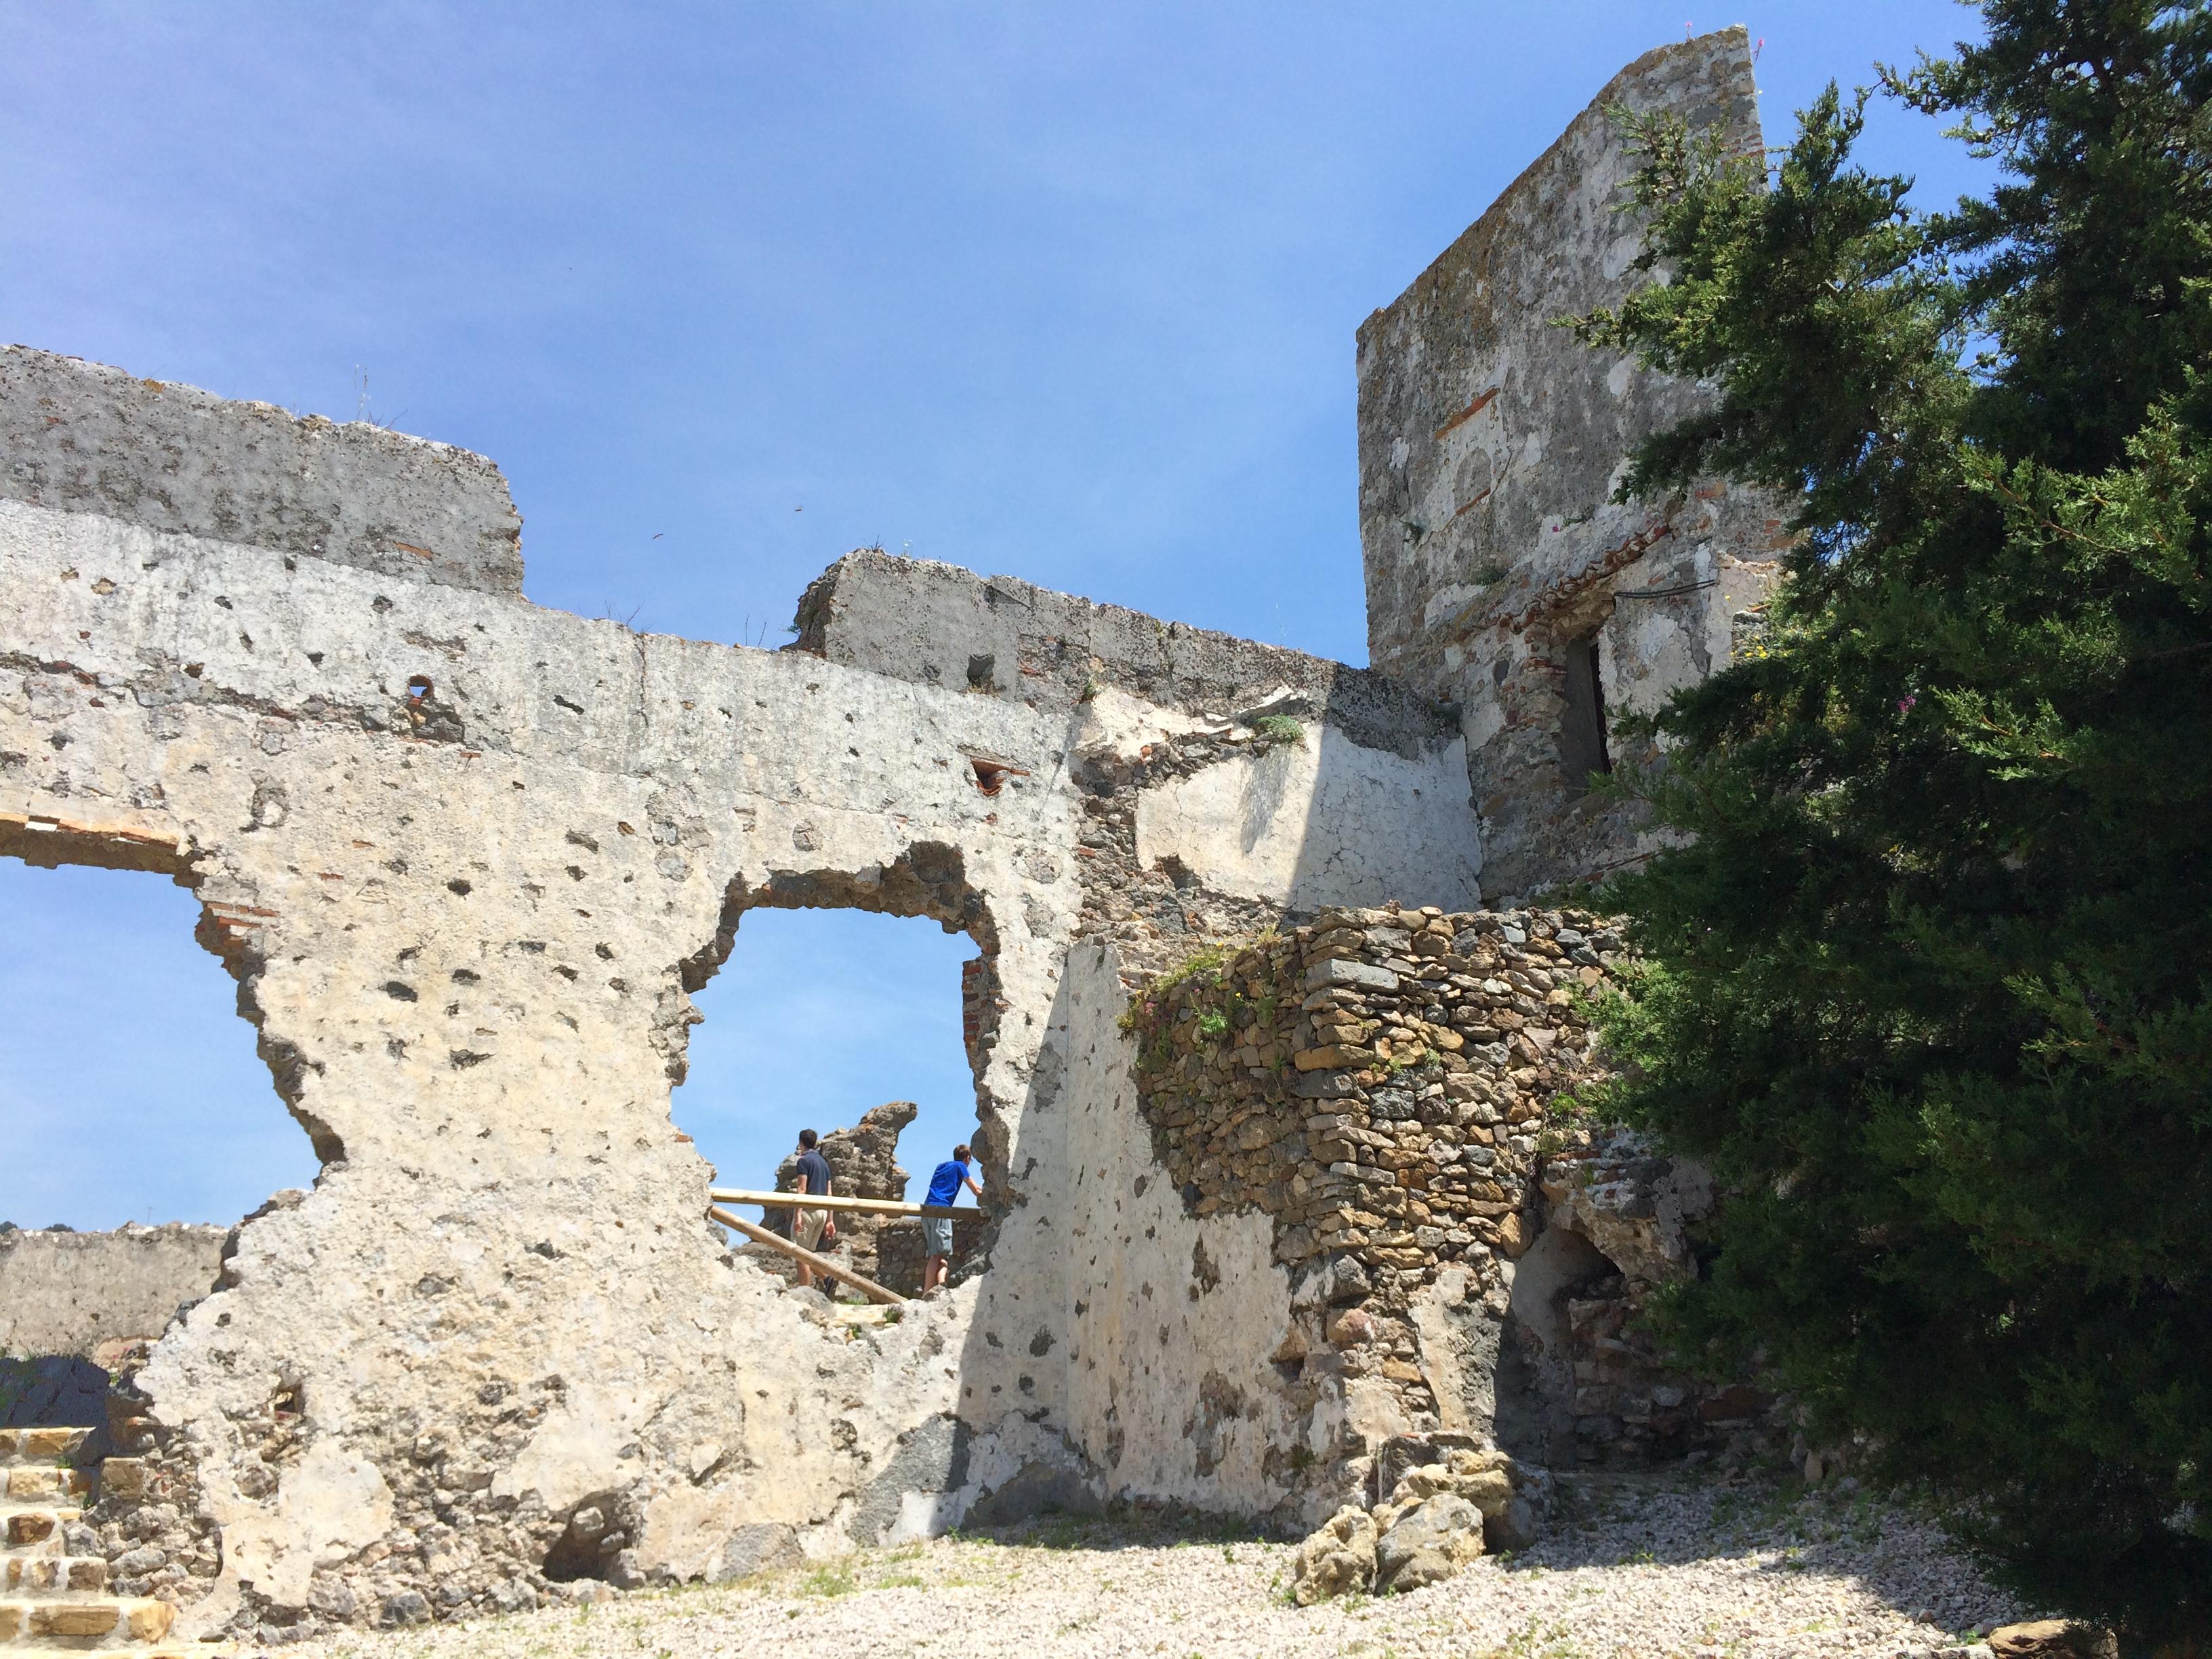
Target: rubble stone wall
[(81, 437), (71, 1293), (1339, 1195), (1222, 783), (1491, 443)]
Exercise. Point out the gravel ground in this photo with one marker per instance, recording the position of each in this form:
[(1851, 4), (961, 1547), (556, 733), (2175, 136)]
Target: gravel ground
[(1632, 1570)]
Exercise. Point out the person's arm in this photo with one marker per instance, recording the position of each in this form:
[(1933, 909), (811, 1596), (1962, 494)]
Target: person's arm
[(973, 1187)]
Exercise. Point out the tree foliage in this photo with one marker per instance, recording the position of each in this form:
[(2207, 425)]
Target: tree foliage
[(1929, 986)]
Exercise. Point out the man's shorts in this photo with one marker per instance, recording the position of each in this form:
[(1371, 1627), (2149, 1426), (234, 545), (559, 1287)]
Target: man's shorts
[(937, 1235), (806, 1227)]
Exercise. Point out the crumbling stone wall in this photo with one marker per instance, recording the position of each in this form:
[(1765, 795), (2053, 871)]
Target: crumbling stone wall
[(1222, 783), (468, 859), (1599, 1384), (1491, 443), (81, 437), (1390, 1097)]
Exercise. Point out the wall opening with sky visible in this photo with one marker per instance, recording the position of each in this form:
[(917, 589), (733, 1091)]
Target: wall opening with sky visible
[(818, 1016), (129, 1082)]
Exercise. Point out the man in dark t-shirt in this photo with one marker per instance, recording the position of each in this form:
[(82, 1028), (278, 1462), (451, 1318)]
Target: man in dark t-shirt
[(810, 1228), (937, 1230)]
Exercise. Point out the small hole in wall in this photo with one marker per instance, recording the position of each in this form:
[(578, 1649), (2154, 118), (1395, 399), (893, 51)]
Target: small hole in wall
[(991, 774), (419, 689), (586, 1549)]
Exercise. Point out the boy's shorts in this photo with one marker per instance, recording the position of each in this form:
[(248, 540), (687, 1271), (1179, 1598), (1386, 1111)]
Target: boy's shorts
[(806, 1227), (937, 1235)]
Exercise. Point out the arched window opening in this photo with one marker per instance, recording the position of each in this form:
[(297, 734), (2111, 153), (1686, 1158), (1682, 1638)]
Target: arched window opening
[(852, 1024)]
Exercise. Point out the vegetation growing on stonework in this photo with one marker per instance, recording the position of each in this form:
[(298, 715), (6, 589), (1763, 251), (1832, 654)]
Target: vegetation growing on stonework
[(1927, 984)]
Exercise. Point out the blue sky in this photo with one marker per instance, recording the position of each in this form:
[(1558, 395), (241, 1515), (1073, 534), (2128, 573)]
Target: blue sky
[(1067, 292)]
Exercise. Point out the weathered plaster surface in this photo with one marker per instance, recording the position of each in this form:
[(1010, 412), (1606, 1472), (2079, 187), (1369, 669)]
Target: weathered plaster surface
[(468, 858), (1298, 819), (68, 1293), (1490, 445), (1173, 1320)]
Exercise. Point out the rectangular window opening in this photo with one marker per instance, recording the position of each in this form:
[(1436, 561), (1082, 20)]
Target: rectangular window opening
[(1582, 749)]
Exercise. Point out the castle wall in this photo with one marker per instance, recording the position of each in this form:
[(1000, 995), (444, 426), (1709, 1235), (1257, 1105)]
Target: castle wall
[(468, 858), (71, 1293), (1490, 445), (82, 437)]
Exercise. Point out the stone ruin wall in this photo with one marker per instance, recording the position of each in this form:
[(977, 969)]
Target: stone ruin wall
[(1373, 1216), (1491, 443), (468, 859), (864, 1162), (69, 1294)]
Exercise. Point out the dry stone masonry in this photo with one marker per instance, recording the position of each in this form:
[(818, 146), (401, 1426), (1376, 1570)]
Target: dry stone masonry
[(1396, 1092), (1292, 1226)]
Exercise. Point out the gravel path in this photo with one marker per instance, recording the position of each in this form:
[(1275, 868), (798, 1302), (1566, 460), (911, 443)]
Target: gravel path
[(1636, 1572)]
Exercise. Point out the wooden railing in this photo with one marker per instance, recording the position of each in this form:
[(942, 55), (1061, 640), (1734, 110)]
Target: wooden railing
[(808, 1201), (821, 1264)]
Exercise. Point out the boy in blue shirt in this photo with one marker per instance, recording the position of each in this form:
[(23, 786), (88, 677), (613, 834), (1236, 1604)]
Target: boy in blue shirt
[(937, 1229)]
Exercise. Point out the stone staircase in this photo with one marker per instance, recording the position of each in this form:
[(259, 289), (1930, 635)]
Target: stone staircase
[(50, 1600)]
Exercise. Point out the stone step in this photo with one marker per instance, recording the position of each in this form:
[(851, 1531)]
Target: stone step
[(44, 1576), (41, 1445), (36, 1483), (128, 1621), (25, 1526)]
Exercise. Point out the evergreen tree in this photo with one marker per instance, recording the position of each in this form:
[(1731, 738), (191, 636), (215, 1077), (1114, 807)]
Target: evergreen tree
[(1929, 986)]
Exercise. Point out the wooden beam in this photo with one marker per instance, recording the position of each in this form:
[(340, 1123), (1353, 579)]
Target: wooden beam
[(821, 1264), (830, 1201)]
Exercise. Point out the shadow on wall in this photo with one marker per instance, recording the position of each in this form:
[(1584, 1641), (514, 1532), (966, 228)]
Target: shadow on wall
[(52, 1391), (1535, 1361)]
